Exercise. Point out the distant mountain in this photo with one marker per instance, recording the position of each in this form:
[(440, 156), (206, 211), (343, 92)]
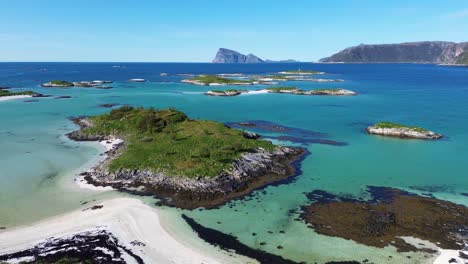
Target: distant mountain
[(282, 61), (411, 52), (232, 56)]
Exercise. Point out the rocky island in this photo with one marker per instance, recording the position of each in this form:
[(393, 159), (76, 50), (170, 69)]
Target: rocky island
[(187, 163), (226, 92), (214, 80), (6, 95), (297, 91), (231, 56), (66, 84), (401, 131)]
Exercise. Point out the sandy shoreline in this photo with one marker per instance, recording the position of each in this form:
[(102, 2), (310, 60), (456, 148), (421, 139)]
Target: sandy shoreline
[(14, 97), (108, 144), (127, 219)]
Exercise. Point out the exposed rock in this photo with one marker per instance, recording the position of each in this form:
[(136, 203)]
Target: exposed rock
[(231, 56), (225, 93), (403, 132), (95, 246), (389, 215), (411, 52)]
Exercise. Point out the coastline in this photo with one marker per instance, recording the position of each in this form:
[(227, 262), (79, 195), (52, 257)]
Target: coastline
[(136, 226), (14, 97), (252, 170)]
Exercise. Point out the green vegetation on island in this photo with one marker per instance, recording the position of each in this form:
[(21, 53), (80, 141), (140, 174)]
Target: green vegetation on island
[(395, 125), (463, 58), (168, 141), (282, 88), (62, 83), (209, 79), (8, 93)]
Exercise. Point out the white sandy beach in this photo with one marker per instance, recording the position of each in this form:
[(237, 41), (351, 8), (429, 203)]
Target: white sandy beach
[(127, 219), (14, 97)]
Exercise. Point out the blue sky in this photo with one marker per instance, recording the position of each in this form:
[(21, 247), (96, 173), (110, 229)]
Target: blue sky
[(192, 31)]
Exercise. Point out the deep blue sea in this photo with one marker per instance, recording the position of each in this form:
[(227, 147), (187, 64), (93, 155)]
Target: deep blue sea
[(38, 163)]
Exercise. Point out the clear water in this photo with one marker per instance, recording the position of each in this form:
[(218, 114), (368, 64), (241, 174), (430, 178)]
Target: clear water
[(37, 163)]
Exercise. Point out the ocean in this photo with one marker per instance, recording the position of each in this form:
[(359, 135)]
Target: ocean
[(38, 163)]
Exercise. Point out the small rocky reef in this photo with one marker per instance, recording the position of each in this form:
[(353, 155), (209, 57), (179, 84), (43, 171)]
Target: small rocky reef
[(187, 163), (215, 80), (402, 131), (230, 92), (87, 84), (386, 217), (297, 91)]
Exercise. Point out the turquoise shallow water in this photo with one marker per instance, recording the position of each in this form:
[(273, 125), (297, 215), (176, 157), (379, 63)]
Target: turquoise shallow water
[(37, 163)]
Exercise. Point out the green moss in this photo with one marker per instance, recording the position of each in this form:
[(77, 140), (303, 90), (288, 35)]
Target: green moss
[(179, 146), (282, 88), (62, 83), (8, 93), (207, 79), (395, 125)]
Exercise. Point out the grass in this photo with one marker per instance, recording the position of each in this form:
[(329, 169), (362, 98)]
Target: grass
[(62, 83), (463, 58), (395, 125), (282, 88), (168, 141), (8, 93), (207, 79), (302, 71)]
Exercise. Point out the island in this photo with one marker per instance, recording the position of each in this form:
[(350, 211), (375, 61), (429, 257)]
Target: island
[(297, 91), (8, 95), (230, 92), (231, 56), (301, 72), (67, 84), (440, 52), (402, 131), (215, 80), (186, 163)]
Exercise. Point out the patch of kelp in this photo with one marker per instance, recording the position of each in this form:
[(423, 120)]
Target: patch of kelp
[(386, 217)]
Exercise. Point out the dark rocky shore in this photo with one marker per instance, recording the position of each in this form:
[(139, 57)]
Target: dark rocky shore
[(251, 171), (97, 246), (389, 215)]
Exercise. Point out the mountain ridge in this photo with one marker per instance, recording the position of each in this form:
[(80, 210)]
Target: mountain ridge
[(442, 52)]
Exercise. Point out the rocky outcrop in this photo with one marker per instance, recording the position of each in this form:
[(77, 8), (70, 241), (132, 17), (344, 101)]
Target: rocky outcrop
[(226, 93), (403, 132), (231, 56), (387, 217), (411, 52), (334, 92), (252, 170)]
